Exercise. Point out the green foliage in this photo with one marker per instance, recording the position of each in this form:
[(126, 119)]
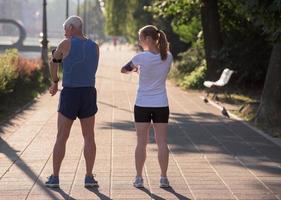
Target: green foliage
[(267, 15), (189, 71), (181, 10), (16, 71), (21, 80), (8, 72), (188, 32), (119, 16), (185, 16), (126, 17), (195, 79), (191, 59)]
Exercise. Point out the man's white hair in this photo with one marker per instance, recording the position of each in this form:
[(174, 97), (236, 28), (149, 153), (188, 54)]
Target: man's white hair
[(74, 21)]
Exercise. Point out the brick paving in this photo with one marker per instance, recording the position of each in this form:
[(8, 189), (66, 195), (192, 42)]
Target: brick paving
[(211, 157)]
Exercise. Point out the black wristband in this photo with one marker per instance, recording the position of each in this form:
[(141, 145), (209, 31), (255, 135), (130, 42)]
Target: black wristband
[(56, 60), (128, 66), (53, 51), (56, 81)]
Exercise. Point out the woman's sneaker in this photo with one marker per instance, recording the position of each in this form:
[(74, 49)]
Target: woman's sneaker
[(53, 182), (138, 182), (90, 181), (164, 182)]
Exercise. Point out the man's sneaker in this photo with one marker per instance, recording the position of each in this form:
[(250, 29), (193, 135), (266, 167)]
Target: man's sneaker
[(53, 182), (164, 182), (90, 181), (138, 182)]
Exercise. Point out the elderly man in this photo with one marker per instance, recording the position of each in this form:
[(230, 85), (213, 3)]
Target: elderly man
[(79, 57)]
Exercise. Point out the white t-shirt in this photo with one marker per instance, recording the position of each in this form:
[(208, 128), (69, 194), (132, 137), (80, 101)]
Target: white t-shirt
[(152, 79)]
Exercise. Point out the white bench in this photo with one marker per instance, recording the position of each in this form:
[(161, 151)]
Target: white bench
[(214, 86)]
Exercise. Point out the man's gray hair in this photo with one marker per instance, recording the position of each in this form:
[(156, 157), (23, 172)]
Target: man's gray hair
[(74, 21)]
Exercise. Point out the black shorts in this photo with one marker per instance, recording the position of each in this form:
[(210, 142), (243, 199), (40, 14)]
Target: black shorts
[(156, 114), (78, 102)]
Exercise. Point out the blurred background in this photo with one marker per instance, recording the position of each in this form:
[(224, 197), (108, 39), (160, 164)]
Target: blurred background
[(29, 14)]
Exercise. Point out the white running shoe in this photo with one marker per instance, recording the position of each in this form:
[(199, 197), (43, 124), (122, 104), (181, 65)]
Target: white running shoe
[(138, 182)]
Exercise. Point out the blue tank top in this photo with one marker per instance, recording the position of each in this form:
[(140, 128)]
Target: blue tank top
[(80, 65)]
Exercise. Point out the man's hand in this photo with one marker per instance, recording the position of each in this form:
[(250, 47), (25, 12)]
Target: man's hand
[(53, 89)]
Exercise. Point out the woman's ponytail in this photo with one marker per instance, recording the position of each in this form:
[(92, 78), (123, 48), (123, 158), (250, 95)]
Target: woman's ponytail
[(163, 45)]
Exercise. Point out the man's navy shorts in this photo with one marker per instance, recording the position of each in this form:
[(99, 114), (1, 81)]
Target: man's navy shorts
[(78, 102)]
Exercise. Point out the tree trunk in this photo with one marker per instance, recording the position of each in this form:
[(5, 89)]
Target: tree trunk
[(212, 36), (269, 111)]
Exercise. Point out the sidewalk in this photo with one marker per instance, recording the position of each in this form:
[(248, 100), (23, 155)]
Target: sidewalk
[(211, 157)]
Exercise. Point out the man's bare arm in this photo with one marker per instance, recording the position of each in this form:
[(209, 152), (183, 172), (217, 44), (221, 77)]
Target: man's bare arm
[(55, 60)]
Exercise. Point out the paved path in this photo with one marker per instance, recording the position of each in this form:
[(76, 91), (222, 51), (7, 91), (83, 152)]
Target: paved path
[(210, 157)]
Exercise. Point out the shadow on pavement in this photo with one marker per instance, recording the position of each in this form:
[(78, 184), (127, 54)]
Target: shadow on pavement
[(177, 195), (171, 190), (153, 196), (62, 193), (110, 105), (205, 133), (11, 153), (8, 121), (121, 125), (99, 194)]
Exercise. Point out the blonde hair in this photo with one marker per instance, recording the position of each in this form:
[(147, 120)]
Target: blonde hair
[(159, 37), (74, 21)]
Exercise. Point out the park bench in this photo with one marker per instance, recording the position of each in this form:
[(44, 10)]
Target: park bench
[(219, 85)]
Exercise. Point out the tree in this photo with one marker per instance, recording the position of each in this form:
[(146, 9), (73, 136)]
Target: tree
[(269, 112), (118, 14), (212, 36), (267, 14)]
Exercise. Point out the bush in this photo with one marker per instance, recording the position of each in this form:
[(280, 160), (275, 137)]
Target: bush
[(21, 80), (195, 79), (8, 71), (190, 70), (191, 59), (15, 69)]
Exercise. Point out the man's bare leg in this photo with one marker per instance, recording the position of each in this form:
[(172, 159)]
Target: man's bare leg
[(64, 126)]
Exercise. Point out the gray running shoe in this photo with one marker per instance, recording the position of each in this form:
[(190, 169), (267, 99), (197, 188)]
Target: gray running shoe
[(138, 182), (164, 182)]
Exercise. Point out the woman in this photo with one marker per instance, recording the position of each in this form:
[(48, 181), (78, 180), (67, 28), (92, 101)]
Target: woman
[(151, 103)]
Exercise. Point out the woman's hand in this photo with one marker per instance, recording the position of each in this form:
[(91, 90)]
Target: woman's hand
[(123, 70), (53, 89)]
